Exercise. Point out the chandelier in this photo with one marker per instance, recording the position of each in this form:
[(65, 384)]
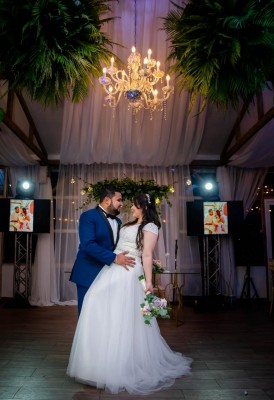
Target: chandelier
[(139, 85)]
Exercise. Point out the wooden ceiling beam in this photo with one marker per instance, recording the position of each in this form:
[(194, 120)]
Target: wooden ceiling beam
[(40, 151), (31, 122), (235, 131), (268, 116), (22, 136)]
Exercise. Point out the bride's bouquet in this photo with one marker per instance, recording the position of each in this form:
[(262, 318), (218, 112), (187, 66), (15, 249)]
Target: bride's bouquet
[(153, 306)]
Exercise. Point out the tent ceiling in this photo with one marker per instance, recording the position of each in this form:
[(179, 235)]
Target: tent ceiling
[(42, 129)]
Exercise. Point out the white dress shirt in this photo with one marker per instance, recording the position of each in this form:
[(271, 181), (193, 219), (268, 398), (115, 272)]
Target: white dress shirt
[(114, 225)]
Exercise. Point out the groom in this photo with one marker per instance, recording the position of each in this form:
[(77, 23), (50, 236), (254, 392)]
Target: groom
[(98, 234)]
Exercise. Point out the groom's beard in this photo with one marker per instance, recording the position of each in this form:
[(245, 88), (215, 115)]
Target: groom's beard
[(113, 211)]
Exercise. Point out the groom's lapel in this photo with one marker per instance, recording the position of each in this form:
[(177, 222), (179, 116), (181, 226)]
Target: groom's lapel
[(100, 211), (118, 230)]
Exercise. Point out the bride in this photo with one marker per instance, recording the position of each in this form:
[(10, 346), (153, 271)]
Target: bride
[(113, 349)]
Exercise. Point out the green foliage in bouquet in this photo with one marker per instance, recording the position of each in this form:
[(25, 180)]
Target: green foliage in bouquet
[(223, 50), (153, 306), (129, 188), (51, 48)]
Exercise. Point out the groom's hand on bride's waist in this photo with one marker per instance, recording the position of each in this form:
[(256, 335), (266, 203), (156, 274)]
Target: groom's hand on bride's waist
[(124, 260)]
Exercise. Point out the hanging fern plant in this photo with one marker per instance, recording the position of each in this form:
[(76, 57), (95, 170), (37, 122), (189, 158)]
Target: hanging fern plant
[(51, 48), (223, 50)]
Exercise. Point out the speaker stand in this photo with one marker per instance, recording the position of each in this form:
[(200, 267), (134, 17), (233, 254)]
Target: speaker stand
[(248, 284)]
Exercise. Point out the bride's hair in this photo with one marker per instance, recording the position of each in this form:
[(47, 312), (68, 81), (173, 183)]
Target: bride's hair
[(145, 202)]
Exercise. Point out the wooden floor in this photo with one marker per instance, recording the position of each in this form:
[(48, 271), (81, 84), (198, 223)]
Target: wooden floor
[(232, 349)]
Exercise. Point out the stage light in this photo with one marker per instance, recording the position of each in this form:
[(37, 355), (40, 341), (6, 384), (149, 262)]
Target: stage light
[(208, 186), (25, 189), (26, 185)]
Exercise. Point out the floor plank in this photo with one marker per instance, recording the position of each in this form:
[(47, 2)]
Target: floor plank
[(232, 349)]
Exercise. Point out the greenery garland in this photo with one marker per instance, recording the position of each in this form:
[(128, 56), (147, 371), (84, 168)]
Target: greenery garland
[(51, 48), (223, 49), (128, 188)]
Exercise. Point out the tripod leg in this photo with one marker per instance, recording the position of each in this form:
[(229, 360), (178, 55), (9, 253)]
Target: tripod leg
[(254, 289), (243, 289)]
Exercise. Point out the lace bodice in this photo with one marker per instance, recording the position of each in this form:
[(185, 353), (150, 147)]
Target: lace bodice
[(127, 239)]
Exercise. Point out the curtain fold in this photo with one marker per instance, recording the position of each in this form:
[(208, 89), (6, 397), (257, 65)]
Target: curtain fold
[(103, 135), (13, 152), (235, 184), (69, 199), (42, 278)]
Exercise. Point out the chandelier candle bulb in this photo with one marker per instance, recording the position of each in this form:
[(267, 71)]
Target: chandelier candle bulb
[(145, 62), (137, 84)]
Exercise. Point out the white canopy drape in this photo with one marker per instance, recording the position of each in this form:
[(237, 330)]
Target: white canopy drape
[(93, 133), (173, 218), (236, 184), (99, 144)]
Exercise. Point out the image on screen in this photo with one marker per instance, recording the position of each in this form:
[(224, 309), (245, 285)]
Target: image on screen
[(215, 218), (21, 215)]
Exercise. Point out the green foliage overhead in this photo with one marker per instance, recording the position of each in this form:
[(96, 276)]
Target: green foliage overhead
[(128, 188), (222, 49), (51, 48)]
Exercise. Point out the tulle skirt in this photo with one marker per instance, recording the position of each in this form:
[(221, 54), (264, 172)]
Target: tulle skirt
[(112, 348)]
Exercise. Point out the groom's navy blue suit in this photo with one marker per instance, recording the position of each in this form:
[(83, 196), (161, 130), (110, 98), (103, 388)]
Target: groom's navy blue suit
[(95, 250)]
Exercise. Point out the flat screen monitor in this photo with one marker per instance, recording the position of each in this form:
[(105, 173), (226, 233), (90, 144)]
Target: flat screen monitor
[(25, 215), (214, 217)]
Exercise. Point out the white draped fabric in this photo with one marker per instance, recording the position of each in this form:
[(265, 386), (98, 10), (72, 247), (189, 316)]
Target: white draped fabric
[(235, 184), (43, 268), (258, 153), (240, 184), (13, 152), (98, 143), (93, 133), (173, 219)]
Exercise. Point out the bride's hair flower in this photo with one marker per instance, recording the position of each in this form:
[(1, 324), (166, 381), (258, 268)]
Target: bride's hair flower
[(153, 306)]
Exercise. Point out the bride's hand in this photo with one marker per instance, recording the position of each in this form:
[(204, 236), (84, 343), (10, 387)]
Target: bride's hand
[(149, 287)]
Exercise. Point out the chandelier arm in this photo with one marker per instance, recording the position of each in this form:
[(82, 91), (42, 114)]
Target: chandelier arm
[(116, 78)]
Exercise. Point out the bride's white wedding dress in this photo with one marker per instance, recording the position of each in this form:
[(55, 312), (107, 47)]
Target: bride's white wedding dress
[(112, 348)]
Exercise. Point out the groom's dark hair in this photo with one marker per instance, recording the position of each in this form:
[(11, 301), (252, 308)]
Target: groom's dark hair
[(108, 191)]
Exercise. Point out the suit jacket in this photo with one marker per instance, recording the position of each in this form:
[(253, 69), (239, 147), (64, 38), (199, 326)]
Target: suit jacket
[(96, 246)]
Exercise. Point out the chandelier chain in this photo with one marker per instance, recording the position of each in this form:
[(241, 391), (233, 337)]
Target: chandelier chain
[(140, 84), (135, 23)]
